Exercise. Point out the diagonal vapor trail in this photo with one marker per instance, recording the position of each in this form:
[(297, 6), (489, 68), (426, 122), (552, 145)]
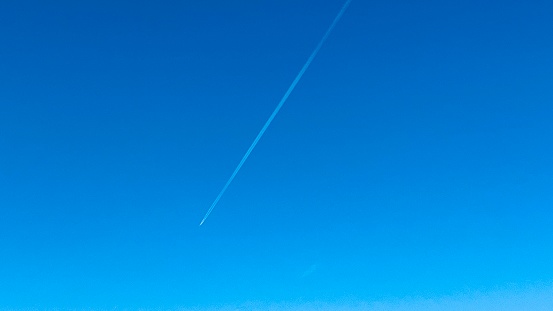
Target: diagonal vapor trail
[(277, 109)]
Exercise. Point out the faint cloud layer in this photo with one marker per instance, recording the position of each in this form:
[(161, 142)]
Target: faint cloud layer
[(534, 299), (506, 300)]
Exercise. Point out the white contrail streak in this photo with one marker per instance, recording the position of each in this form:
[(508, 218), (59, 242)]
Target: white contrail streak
[(277, 109)]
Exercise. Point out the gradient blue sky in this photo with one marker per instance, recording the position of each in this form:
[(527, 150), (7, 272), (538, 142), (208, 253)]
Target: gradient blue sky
[(413, 159)]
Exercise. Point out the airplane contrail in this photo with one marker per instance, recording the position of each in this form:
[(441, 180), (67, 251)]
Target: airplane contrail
[(277, 109)]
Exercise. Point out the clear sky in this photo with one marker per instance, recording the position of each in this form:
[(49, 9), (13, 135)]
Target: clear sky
[(414, 158)]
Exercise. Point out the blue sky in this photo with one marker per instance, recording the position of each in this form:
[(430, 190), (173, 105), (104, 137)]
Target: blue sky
[(412, 160)]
